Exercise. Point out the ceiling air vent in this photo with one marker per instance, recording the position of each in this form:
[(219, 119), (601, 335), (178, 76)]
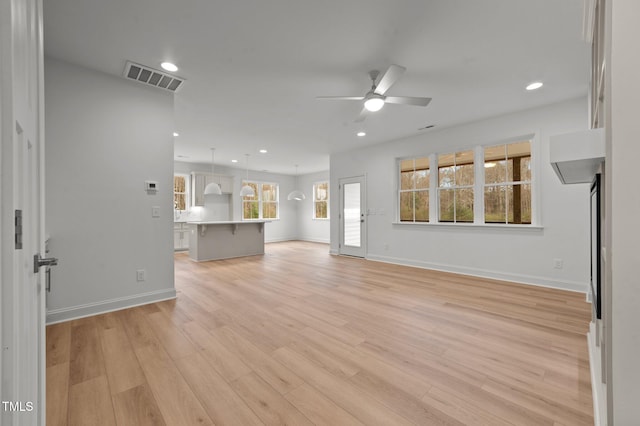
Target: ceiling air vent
[(152, 77)]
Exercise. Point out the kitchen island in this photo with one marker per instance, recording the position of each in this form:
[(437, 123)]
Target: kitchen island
[(225, 239)]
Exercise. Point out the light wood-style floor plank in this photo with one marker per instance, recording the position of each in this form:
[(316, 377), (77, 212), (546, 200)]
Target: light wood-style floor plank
[(137, 407), (57, 394), (301, 337), (272, 408), (86, 359), (121, 364), (220, 401), (90, 403), (176, 400)]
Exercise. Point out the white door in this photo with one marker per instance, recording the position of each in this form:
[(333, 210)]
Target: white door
[(352, 216), (22, 371)]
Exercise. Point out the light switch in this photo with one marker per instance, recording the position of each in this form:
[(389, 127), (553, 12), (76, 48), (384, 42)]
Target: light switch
[(155, 211)]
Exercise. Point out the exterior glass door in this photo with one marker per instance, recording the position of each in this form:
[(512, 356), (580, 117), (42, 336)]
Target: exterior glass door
[(352, 217)]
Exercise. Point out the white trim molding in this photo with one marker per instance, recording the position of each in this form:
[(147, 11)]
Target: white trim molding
[(89, 309), (485, 273)]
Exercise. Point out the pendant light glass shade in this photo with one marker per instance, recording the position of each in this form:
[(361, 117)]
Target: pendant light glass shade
[(296, 194), (247, 191), (212, 188)]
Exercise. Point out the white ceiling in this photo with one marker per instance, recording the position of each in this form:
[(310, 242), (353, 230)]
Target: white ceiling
[(254, 67)]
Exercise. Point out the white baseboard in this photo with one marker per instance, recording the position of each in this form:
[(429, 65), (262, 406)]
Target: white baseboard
[(90, 309), (279, 240), (315, 240), (597, 387), (485, 273)]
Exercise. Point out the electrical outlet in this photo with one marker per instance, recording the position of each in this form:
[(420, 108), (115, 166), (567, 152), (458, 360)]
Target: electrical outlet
[(386, 246), (557, 263), (141, 275)]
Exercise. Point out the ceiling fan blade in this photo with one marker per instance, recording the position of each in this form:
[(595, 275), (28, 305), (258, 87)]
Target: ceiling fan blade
[(389, 78), (361, 116), (340, 98), (407, 100)]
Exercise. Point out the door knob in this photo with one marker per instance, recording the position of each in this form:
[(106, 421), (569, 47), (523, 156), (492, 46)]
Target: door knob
[(43, 261)]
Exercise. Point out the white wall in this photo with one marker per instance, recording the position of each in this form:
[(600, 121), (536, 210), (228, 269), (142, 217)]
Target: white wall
[(623, 153), (283, 229), (104, 137), (512, 254), (315, 230)]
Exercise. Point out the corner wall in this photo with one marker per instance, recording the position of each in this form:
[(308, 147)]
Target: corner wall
[(623, 253), (314, 230), (521, 255), (105, 136)]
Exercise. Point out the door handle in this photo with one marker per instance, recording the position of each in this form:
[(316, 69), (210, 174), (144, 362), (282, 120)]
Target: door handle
[(43, 261)]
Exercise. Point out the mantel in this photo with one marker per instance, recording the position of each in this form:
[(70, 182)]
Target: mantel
[(576, 157)]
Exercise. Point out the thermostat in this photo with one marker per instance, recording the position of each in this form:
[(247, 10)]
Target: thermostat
[(151, 186)]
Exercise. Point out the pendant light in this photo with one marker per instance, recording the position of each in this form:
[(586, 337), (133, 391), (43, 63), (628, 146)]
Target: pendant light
[(212, 188), (247, 191), (296, 195)]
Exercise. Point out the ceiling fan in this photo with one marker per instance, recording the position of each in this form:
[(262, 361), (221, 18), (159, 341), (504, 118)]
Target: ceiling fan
[(375, 99)]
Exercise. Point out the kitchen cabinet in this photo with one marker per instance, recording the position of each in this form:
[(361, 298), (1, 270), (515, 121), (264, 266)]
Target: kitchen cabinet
[(180, 236), (199, 182)]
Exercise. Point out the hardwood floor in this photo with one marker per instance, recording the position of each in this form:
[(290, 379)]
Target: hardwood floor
[(299, 337)]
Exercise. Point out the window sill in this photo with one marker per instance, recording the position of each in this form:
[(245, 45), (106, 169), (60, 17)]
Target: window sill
[(533, 228), (321, 219)]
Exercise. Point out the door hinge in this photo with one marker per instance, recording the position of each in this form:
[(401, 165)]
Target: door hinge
[(18, 230)]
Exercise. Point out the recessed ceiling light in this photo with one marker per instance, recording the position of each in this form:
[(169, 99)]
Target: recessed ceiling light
[(169, 66), (361, 134), (234, 161), (175, 134), (263, 151), (535, 85)]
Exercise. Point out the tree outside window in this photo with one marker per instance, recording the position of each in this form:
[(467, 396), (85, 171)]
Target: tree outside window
[(179, 192), (414, 190), (507, 189), (455, 186), (321, 200)]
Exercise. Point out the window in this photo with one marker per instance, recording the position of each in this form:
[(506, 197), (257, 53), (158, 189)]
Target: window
[(264, 205), (414, 190), (507, 188), (321, 200), (180, 200), (490, 184), (455, 187)]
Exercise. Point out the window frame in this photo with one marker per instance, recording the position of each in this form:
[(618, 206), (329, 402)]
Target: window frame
[(478, 187), (316, 200), (455, 187), (261, 202), (414, 189), (506, 183)]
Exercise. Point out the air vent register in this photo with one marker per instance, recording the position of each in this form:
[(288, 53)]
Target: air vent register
[(152, 77)]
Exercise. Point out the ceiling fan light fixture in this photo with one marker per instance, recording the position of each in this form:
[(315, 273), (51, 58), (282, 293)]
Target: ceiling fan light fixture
[(374, 103), (534, 86)]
